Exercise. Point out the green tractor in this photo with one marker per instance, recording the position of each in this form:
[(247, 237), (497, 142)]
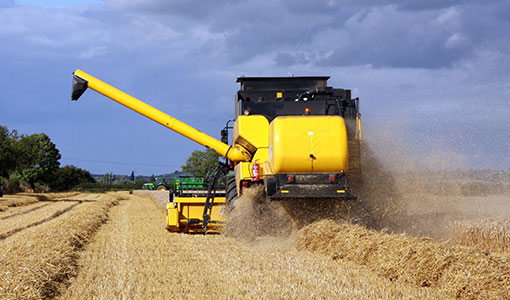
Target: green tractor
[(158, 184), (148, 186)]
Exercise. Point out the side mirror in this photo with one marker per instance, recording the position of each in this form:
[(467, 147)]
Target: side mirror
[(224, 135)]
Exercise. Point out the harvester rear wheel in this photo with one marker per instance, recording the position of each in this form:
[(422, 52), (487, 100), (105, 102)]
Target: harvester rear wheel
[(231, 191)]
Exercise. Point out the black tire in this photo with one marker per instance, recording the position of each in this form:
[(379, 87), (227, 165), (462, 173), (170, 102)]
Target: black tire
[(231, 191), (161, 188)]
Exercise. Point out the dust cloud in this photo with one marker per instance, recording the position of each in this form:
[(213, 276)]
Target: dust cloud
[(253, 216), (421, 187), (417, 190)]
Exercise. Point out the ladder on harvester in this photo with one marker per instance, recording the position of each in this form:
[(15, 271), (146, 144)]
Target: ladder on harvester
[(220, 171)]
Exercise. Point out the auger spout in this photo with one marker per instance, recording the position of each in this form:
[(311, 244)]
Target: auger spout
[(82, 81)]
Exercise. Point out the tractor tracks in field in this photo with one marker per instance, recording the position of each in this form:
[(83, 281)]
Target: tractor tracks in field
[(19, 224), (25, 211), (50, 202)]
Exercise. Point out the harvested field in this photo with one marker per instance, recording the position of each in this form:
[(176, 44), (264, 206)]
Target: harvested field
[(34, 262), (132, 257), (21, 221), (159, 197), (24, 199), (485, 234), (96, 251), (22, 209), (455, 271)]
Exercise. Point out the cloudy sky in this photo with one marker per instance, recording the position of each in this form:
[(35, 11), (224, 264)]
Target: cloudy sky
[(432, 75)]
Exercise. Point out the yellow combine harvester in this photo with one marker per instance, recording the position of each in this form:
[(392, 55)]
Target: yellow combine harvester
[(295, 135)]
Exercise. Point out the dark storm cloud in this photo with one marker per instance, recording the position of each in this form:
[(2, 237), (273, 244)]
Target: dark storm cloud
[(434, 60), (397, 34), (183, 8), (386, 37)]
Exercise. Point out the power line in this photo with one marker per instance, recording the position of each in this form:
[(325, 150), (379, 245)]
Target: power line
[(119, 162)]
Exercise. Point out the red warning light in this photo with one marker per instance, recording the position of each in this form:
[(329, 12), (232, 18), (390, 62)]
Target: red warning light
[(307, 111)]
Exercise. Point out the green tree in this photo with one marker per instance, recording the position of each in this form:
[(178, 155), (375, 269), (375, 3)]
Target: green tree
[(120, 179), (69, 177), (132, 177), (38, 160), (107, 179), (201, 163), (8, 153)]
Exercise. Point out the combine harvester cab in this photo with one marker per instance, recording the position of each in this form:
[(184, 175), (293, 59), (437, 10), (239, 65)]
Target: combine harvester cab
[(297, 136)]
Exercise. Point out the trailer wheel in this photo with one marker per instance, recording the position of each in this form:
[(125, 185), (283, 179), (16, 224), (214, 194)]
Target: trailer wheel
[(231, 191)]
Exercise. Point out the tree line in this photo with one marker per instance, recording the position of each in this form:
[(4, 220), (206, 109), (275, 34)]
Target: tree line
[(32, 161)]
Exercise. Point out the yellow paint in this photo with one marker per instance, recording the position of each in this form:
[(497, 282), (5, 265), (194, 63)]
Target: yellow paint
[(284, 191), (236, 153), (244, 169), (251, 132), (340, 191), (184, 208), (279, 95), (359, 132), (311, 144)]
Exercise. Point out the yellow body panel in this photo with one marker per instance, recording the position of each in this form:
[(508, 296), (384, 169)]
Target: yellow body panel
[(183, 209), (311, 144), (251, 132), (244, 169)]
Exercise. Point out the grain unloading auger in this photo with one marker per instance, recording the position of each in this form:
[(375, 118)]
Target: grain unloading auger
[(295, 135)]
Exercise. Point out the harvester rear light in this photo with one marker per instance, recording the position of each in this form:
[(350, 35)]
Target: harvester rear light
[(291, 179), (332, 179), (245, 184)]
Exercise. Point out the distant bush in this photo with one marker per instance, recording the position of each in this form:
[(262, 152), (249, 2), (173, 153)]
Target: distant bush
[(69, 177), (12, 185)]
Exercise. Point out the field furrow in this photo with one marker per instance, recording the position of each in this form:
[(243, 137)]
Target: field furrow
[(133, 257), (27, 199), (34, 263), (21, 222), (35, 214), (22, 210)]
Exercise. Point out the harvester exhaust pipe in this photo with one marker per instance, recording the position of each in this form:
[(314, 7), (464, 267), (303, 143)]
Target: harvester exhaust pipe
[(82, 81)]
